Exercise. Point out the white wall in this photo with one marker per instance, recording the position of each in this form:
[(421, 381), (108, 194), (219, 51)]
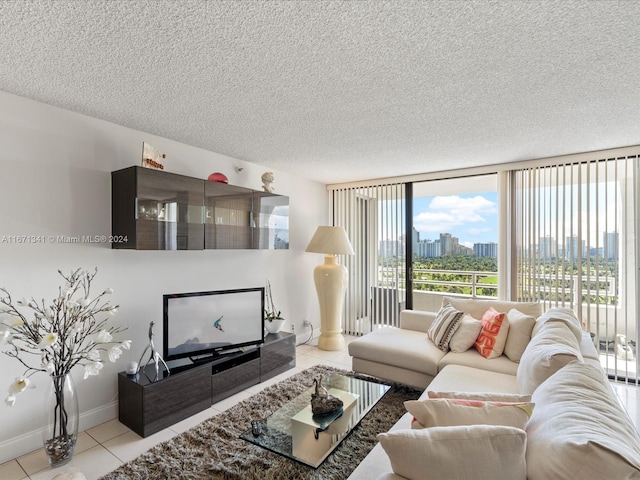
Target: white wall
[(55, 167)]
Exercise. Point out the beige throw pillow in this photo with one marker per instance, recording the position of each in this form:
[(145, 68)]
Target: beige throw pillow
[(481, 452), (553, 347), (579, 430), (520, 327), (443, 412), (466, 335)]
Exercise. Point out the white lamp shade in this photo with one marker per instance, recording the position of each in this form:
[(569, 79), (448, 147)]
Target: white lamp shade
[(330, 240)]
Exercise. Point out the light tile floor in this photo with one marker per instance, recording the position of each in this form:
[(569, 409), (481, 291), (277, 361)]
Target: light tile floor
[(105, 447)]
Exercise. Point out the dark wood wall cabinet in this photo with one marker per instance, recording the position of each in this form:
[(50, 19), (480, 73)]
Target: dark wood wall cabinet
[(157, 210), (146, 405)]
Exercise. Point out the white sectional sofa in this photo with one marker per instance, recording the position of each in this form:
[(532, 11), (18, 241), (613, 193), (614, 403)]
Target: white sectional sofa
[(577, 428)]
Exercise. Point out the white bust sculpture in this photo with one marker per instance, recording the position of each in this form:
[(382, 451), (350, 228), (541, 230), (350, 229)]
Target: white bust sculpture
[(267, 180)]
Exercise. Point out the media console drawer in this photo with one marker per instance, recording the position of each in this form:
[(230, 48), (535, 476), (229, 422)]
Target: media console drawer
[(147, 407)]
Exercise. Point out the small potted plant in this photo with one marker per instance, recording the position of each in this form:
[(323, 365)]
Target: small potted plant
[(273, 318)]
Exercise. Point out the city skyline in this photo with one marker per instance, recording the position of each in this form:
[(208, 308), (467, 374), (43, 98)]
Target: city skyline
[(472, 218)]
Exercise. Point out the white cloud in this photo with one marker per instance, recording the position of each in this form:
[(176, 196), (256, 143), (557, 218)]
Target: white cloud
[(445, 213)]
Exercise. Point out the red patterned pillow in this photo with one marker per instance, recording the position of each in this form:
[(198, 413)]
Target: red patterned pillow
[(493, 336)]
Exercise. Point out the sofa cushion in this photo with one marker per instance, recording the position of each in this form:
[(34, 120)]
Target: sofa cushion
[(552, 348), (481, 452), (519, 335), (401, 348), (471, 358), (560, 314), (493, 335), (454, 378), (579, 430), (466, 335), (447, 412), (444, 326), (476, 307), (483, 396)]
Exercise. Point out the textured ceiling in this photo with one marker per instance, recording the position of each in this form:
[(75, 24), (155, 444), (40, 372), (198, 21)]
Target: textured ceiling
[(340, 90)]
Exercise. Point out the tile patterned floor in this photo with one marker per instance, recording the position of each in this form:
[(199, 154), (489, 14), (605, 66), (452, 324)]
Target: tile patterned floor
[(105, 447)]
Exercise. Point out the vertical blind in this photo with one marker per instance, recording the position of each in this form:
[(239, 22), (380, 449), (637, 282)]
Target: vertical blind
[(575, 228), (374, 218)]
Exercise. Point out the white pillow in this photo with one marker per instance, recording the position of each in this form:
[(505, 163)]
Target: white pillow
[(520, 328), (481, 452), (579, 430), (483, 396), (553, 347), (443, 412), (466, 334), (444, 326)]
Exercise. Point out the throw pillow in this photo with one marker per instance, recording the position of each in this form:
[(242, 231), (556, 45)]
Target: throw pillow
[(553, 347), (481, 452), (444, 326), (484, 396), (466, 335), (493, 336), (520, 327), (444, 412), (579, 430)]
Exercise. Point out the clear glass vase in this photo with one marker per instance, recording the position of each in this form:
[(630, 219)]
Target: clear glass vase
[(60, 420)]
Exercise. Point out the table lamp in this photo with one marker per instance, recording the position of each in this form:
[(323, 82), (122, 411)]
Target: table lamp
[(331, 283)]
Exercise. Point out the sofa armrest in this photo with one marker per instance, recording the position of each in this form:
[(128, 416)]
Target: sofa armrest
[(416, 320)]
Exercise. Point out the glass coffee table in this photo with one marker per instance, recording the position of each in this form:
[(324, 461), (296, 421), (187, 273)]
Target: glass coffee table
[(293, 430)]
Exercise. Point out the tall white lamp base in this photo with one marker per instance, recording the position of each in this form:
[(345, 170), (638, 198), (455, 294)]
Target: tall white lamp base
[(331, 284)]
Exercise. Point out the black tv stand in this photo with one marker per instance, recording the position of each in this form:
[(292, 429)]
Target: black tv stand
[(147, 406)]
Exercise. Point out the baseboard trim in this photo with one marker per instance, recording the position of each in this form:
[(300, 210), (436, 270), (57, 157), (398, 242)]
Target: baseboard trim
[(30, 441)]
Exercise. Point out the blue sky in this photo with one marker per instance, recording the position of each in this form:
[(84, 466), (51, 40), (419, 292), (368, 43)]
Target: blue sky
[(473, 218)]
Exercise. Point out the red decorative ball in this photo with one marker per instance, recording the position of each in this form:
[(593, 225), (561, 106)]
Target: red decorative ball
[(218, 177)]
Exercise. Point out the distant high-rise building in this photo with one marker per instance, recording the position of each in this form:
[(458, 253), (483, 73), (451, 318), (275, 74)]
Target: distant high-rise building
[(574, 248), (547, 248), (486, 249), (610, 245)]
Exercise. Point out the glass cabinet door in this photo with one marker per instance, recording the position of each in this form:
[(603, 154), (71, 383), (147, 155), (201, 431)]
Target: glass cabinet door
[(270, 221), (227, 216)]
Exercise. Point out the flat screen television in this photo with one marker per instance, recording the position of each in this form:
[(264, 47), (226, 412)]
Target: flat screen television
[(203, 324)]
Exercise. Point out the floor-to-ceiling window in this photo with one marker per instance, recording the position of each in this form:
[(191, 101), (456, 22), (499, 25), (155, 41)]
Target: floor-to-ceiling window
[(575, 246), (374, 218)]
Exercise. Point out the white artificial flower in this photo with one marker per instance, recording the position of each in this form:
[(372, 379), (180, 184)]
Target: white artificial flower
[(48, 340), (126, 344), (5, 335), (83, 302), (23, 301), (94, 356), (104, 337), (14, 322), (71, 304), (92, 368), (108, 291), (10, 401), (50, 368), (114, 353), (48, 313), (20, 384), (113, 311), (33, 304)]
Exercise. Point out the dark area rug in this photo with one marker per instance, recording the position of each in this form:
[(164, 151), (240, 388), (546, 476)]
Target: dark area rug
[(213, 449)]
